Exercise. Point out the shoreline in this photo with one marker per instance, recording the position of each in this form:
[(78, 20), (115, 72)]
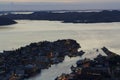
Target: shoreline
[(28, 61), (6, 21), (100, 68), (105, 16)]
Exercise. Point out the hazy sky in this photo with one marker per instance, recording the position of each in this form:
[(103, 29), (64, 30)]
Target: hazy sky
[(60, 1), (58, 4)]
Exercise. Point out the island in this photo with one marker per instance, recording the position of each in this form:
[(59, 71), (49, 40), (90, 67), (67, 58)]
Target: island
[(6, 21), (28, 61), (105, 16)]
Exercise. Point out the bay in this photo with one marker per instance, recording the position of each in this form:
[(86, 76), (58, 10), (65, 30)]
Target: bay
[(89, 36)]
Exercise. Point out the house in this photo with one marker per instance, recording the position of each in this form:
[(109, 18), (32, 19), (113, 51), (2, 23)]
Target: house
[(83, 63), (2, 65)]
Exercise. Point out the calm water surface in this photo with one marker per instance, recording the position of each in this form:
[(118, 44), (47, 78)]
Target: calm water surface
[(89, 36)]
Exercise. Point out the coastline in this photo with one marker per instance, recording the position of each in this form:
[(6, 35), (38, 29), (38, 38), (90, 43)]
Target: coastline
[(100, 68), (6, 21), (28, 61), (104, 16)]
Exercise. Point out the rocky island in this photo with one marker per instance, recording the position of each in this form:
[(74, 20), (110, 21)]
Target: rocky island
[(6, 21), (28, 61)]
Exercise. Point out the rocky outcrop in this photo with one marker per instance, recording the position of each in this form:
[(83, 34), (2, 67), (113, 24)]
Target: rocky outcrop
[(113, 58), (6, 21), (108, 52)]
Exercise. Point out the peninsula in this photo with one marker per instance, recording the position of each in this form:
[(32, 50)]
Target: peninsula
[(6, 21)]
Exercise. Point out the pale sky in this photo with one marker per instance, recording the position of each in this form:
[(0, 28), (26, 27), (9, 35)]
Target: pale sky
[(60, 0), (58, 4)]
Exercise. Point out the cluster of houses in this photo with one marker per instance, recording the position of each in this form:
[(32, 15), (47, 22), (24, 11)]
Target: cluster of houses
[(100, 68), (28, 61)]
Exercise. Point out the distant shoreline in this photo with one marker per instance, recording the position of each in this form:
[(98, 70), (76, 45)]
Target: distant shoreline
[(105, 16)]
